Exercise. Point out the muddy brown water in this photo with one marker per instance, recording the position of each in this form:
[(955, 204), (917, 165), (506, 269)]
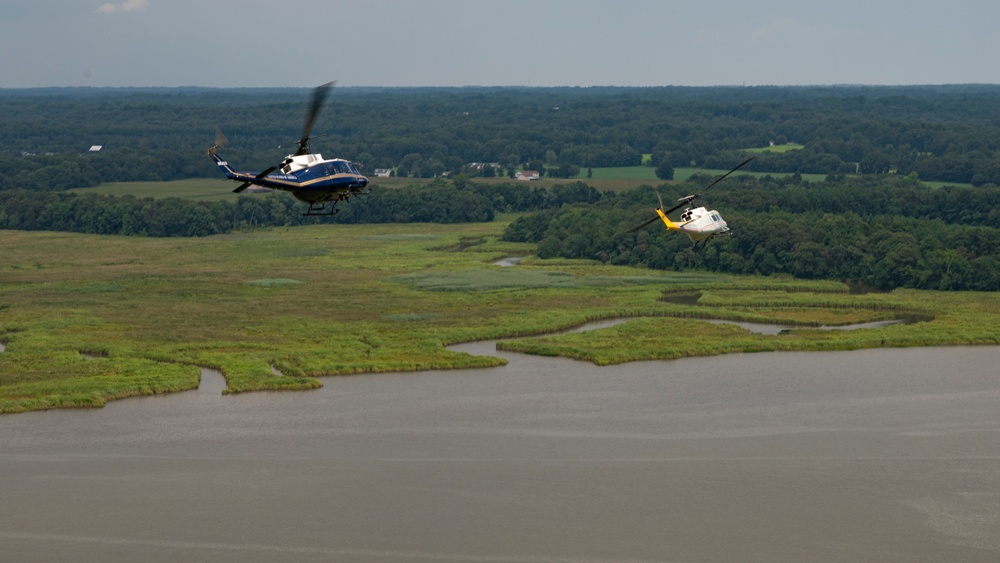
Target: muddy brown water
[(875, 455)]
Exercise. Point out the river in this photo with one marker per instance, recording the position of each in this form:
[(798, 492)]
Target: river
[(875, 455)]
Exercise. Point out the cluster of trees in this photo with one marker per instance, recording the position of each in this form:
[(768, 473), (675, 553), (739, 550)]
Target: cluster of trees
[(948, 133), (895, 234)]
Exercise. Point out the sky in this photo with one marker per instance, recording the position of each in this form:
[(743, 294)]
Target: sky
[(304, 43)]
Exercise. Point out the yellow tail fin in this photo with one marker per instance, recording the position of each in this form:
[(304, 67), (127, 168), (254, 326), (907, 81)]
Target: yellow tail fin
[(670, 224)]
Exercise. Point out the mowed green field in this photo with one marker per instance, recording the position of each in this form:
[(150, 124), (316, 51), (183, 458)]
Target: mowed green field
[(214, 189), (205, 189), (85, 319), (630, 177), (776, 148)]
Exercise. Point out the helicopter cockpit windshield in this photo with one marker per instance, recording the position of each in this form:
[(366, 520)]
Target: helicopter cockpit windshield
[(344, 167)]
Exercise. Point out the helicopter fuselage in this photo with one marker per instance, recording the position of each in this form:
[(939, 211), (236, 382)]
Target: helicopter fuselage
[(698, 223), (308, 177)]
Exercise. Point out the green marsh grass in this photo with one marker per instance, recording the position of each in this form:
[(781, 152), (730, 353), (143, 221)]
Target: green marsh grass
[(86, 319), (274, 282), (945, 319)]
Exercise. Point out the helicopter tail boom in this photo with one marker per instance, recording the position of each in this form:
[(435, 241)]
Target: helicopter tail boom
[(223, 165), (666, 220), (229, 172)]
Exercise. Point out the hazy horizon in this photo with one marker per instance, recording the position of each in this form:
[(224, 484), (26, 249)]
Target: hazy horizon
[(485, 43)]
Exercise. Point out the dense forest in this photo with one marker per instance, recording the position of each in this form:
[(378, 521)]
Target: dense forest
[(939, 133), (872, 221), (879, 233)]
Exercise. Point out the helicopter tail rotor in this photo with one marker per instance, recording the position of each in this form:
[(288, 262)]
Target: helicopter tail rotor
[(220, 139)]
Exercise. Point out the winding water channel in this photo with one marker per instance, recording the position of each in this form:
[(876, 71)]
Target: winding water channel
[(875, 455)]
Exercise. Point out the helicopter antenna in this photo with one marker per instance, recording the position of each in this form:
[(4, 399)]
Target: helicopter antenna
[(319, 95)]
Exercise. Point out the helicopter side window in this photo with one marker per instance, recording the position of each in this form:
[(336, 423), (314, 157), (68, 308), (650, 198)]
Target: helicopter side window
[(341, 167), (354, 168), (716, 218)]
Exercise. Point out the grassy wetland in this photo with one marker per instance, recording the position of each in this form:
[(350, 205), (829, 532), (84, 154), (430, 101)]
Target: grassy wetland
[(85, 319)]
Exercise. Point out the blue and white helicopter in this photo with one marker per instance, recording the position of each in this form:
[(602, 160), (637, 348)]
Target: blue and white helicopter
[(308, 176)]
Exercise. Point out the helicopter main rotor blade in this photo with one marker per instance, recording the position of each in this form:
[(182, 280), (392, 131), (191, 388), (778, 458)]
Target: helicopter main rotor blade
[(319, 95), (686, 200), (723, 177), (637, 227)]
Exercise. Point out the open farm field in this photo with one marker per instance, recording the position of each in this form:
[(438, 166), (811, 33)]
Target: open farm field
[(634, 176), (603, 179), (215, 189), (85, 319), (614, 179), (776, 148), (646, 173), (205, 189), (630, 177), (681, 174)]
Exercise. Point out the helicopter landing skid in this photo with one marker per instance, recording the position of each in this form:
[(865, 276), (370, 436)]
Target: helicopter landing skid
[(320, 209)]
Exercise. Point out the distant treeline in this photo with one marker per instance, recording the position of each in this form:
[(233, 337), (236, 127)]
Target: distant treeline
[(880, 234), (457, 201), (943, 133)]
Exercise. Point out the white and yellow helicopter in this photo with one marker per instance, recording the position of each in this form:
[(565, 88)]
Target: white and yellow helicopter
[(699, 223)]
